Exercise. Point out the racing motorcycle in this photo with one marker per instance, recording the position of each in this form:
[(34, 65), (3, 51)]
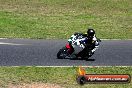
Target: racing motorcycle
[(68, 49)]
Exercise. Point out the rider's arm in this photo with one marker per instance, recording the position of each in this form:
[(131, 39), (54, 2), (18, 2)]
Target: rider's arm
[(96, 44), (96, 47)]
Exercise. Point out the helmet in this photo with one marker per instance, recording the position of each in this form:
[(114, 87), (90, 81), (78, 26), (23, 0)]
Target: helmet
[(90, 32)]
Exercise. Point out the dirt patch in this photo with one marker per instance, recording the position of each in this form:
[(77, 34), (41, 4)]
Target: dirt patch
[(35, 85)]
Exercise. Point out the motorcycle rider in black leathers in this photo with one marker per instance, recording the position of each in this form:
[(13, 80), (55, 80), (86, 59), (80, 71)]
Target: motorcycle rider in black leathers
[(91, 41)]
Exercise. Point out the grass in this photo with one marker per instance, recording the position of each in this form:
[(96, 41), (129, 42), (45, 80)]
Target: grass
[(59, 19), (63, 76)]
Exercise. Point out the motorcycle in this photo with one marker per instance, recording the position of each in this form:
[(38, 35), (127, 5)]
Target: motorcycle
[(66, 52)]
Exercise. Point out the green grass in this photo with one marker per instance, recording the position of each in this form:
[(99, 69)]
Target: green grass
[(63, 76), (59, 19)]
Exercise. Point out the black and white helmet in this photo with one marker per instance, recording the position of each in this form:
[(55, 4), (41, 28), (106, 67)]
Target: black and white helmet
[(90, 32)]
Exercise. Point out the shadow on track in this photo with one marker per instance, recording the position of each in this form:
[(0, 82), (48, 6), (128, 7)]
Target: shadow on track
[(83, 59), (80, 59)]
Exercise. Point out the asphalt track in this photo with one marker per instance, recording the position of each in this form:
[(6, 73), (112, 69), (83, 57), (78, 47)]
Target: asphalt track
[(29, 52)]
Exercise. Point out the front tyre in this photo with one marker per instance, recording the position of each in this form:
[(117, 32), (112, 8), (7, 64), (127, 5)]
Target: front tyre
[(62, 53)]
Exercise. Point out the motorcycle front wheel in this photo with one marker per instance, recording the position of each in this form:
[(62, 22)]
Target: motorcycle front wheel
[(62, 53)]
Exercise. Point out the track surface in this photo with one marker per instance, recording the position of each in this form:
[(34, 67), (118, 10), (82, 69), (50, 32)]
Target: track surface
[(28, 52)]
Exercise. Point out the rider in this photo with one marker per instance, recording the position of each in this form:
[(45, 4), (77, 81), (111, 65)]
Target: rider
[(91, 41)]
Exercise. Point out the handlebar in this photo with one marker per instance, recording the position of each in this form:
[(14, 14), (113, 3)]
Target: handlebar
[(98, 40)]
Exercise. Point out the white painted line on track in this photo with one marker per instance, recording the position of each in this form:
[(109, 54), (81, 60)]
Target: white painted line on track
[(63, 39), (3, 43), (3, 38), (115, 39), (74, 66)]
